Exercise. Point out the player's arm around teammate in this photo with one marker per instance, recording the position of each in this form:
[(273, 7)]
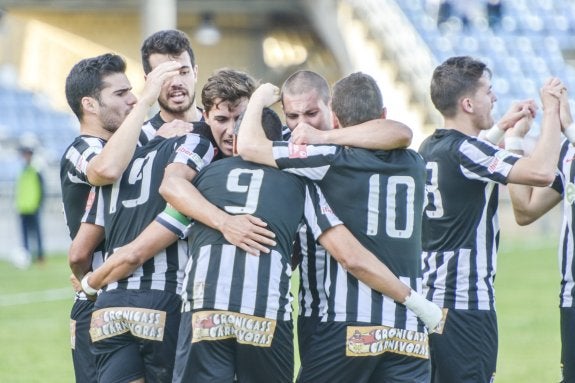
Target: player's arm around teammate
[(254, 146)]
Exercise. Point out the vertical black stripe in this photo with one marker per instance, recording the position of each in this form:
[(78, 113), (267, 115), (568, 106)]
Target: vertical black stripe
[(238, 275), (213, 273), (263, 285)]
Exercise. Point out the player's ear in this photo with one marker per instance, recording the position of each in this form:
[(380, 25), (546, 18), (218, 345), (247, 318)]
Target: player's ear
[(89, 104), (383, 113), (336, 124), (467, 105)]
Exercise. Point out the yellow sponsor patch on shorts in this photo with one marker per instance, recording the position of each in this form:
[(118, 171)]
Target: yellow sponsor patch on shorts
[(375, 340), (142, 323), (73, 334), (246, 329)]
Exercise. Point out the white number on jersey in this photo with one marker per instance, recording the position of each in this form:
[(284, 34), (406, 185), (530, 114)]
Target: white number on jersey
[(393, 184), (252, 190), (433, 194), (141, 171)]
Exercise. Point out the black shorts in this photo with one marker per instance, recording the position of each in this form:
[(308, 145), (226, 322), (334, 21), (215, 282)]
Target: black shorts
[(568, 344), (134, 335), (306, 328), (361, 352), (82, 357), (216, 346), (466, 351)]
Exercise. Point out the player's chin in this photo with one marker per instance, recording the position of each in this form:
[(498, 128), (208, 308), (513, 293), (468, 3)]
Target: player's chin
[(227, 150)]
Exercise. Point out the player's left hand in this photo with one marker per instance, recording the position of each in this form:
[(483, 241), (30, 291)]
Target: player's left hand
[(249, 233), (175, 128)]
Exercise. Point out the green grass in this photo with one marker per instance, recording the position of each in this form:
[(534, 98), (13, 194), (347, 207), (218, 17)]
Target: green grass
[(34, 337), (528, 311)]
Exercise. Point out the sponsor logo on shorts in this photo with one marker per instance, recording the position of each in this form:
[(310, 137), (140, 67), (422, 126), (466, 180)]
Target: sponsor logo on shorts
[(375, 340), (297, 151), (219, 325), (142, 323)]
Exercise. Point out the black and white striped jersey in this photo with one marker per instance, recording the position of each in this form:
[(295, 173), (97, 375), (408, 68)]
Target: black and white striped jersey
[(460, 221), (565, 184), (75, 186), (151, 126), (133, 202), (311, 258), (379, 197), (222, 276)]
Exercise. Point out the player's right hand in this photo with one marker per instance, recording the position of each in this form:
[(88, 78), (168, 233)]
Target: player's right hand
[(249, 233), (156, 78), (305, 134), (266, 95)]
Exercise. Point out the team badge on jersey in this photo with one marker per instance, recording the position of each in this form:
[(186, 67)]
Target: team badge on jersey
[(496, 160), (297, 151)]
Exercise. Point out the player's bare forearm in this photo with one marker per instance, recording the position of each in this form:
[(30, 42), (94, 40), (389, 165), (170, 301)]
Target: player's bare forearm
[(252, 143), (530, 203), (379, 134), (109, 165), (128, 258), (82, 248), (247, 232), (363, 264)]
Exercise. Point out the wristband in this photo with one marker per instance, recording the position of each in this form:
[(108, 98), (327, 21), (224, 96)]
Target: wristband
[(429, 313), (514, 143), (89, 290), (570, 133), (495, 134)]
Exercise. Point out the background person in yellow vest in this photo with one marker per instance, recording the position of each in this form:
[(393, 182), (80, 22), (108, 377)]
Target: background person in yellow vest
[(29, 196)]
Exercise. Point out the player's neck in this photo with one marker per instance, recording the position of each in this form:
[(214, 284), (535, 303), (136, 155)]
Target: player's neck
[(89, 128), (191, 115), (461, 125)]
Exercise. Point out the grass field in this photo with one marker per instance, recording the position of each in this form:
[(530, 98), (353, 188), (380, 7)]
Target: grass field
[(35, 305)]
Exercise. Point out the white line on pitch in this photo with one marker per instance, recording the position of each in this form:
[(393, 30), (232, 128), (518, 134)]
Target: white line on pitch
[(36, 297)]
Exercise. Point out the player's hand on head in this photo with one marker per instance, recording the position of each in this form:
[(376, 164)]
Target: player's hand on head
[(266, 95), (305, 134), (175, 128), (249, 233), (156, 78)]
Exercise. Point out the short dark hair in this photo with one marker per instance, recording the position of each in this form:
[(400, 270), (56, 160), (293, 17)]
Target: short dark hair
[(172, 42), (227, 85), (271, 124), (86, 79), (356, 99), (304, 81), (455, 77)]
